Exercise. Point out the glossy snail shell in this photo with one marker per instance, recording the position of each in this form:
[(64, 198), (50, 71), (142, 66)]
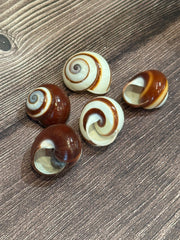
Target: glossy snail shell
[(55, 148), (48, 104), (101, 120), (147, 89), (87, 71)]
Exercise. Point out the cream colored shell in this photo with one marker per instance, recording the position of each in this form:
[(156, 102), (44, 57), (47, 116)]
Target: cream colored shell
[(101, 120), (87, 71)]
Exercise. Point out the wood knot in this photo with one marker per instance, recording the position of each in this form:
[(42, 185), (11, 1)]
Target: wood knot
[(7, 44)]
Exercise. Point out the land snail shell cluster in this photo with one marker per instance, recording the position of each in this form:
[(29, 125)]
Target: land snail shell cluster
[(87, 71), (48, 104), (101, 120), (147, 89), (57, 147)]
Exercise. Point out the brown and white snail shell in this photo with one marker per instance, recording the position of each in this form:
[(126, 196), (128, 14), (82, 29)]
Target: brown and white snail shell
[(55, 148), (101, 120), (147, 89), (87, 71), (48, 104)]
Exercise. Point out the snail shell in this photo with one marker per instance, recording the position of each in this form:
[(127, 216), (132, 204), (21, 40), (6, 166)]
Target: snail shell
[(48, 104), (55, 148), (147, 89), (101, 120), (87, 71)]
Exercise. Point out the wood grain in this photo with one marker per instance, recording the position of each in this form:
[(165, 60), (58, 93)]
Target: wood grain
[(126, 191)]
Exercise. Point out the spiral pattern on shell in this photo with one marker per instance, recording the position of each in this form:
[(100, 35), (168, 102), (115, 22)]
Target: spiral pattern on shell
[(101, 120), (147, 89), (48, 104), (87, 71), (57, 147)]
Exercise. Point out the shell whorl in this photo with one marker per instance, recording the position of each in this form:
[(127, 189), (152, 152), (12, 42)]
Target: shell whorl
[(147, 89), (38, 101), (48, 104), (101, 120), (87, 71)]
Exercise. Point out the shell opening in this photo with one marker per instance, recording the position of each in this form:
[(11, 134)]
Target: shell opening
[(98, 139), (133, 90), (45, 161)]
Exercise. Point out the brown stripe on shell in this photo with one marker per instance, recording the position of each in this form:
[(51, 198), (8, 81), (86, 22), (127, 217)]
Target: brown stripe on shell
[(98, 75), (108, 87), (74, 73), (152, 89), (101, 123), (159, 99), (113, 109), (155, 84), (37, 111)]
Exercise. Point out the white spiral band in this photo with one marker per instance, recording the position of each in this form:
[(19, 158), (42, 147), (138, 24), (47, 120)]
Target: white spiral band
[(36, 99), (101, 120), (87, 71)]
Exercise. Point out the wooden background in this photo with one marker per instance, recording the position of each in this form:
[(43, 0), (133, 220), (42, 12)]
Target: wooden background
[(126, 191)]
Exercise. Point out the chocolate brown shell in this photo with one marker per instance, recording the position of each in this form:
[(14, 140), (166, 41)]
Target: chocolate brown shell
[(48, 104), (55, 148)]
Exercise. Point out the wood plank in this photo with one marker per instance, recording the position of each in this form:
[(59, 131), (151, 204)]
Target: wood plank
[(128, 190)]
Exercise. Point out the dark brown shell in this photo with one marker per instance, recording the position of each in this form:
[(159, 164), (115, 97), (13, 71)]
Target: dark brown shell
[(67, 146), (57, 112)]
